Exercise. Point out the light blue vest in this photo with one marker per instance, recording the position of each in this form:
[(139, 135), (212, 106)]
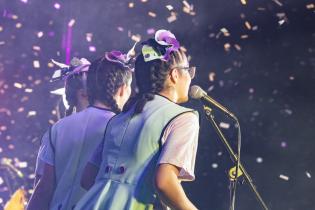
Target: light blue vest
[(131, 150), (74, 139)]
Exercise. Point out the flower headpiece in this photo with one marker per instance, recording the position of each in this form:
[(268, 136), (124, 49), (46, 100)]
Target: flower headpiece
[(76, 66), (164, 38), (124, 59)]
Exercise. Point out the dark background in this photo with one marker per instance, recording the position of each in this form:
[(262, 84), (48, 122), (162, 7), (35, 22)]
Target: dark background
[(266, 77)]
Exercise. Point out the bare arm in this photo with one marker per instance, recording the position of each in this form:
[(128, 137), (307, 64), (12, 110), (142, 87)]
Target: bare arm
[(44, 190), (169, 188), (89, 175)]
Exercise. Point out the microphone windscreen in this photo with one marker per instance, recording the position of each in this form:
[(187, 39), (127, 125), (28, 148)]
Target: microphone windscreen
[(196, 92)]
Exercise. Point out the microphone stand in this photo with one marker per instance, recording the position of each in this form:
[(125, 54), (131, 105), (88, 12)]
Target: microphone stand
[(210, 117)]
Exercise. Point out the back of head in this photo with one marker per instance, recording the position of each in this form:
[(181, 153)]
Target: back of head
[(151, 75), (103, 81)]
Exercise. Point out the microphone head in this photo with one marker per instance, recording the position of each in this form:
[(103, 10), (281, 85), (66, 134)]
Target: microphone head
[(196, 92)]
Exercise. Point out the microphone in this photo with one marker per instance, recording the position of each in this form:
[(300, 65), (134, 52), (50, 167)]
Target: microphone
[(197, 92)]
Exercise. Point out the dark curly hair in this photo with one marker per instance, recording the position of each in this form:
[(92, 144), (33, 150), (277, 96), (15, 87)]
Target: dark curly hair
[(104, 79), (74, 83), (151, 76)]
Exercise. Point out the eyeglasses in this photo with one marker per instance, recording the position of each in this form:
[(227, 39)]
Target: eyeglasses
[(191, 70)]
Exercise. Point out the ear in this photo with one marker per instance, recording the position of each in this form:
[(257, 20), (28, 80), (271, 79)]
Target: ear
[(174, 76), (121, 90)]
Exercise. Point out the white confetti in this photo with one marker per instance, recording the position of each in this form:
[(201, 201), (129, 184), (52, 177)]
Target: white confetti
[(71, 23), (40, 34), (214, 165), (31, 113), (18, 85), (169, 7), (36, 64), (224, 125), (284, 177), (259, 160), (308, 174)]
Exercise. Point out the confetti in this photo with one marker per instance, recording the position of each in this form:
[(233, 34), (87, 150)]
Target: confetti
[(89, 37), (92, 48), (227, 47), (243, 2), (136, 38), (278, 2), (211, 76), (308, 174), (259, 160), (214, 165), (169, 7), (40, 34), (36, 64), (18, 25), (18, 85), (248, 25), (224, 125), (31, 113), (71, 23), (310, 6), (172, 18), (131, 5), (57, 6), (284, 177), (152, 14)]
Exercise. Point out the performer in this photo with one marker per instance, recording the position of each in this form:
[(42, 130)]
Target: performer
[(150, 147), (74, 138), (75, 91)]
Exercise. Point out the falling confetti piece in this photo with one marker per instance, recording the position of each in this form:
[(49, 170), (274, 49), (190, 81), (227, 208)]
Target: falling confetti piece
[(18, 85), (136, 38), (151, 31), (92, 48), (224, 125), (57, 6), (40, 34), (225, 32), (310, 6), (172, 18), (131, 5), (243, 2), (284, 144), (308, 174), (259, 160), (152, 14), (36, 64), (227, 47), (28, 90), (248, 25), (278, 2), (169, 7), (211, 76), (89, 37), (214, 165), (31, 113), (18, 25), (36, 48), (71, 23), (237, 47), (286, 178)]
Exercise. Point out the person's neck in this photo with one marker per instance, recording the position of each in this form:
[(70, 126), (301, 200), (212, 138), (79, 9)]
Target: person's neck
[(170, 94), (100, 105), (81, 106)]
